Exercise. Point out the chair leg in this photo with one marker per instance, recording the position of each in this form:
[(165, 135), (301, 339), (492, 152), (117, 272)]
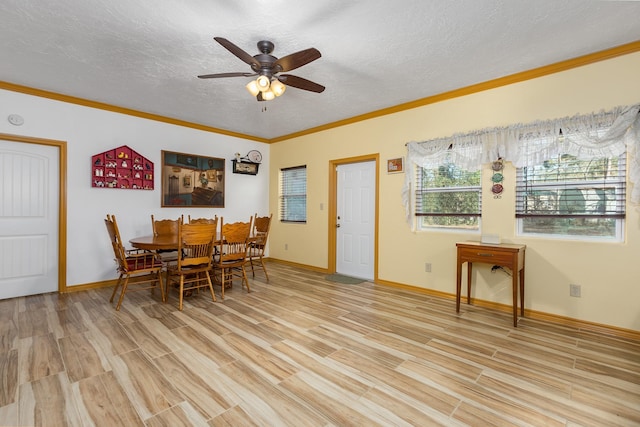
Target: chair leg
[(213, 295), (245, 280), (181, 292), (253, 273), (167, 279), (122, 292), (115, 288), (264, 268), (222, 282), (162, 294)]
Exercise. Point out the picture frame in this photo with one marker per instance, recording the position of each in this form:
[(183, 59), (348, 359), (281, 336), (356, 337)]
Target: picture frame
[(247, 168), (192, 180), (395, 165)]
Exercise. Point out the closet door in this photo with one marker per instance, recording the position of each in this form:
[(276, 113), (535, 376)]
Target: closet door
[(29, 187)]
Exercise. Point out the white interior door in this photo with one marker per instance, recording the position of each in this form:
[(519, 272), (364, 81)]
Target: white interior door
[(355, 235), (29, 186)]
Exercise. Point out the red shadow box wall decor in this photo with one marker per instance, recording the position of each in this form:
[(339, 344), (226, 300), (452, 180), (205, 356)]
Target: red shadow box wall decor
[(121, 168)]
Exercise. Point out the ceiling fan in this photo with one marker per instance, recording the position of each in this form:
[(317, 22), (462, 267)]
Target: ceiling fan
[(270, 82)]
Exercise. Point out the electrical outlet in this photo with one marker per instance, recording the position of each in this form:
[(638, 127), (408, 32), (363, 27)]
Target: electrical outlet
[(286, 246), (575, 290), (427, 267)]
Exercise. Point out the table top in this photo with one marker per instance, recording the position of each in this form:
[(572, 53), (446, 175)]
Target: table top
[(491, 245), (154, 243), (162, 242)]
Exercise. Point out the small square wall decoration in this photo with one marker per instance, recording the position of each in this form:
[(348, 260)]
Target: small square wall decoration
[(395, 165)]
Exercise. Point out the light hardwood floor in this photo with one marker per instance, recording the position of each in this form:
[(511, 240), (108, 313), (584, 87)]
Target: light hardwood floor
[(301, 351)]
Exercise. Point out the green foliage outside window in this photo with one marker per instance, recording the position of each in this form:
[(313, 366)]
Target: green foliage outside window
[(448, 196), (572, 197)]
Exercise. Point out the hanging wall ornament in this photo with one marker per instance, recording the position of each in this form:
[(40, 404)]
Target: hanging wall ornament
[(497, 177)]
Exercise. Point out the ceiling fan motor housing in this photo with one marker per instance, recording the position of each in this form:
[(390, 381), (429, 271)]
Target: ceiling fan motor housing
[(265, 59)]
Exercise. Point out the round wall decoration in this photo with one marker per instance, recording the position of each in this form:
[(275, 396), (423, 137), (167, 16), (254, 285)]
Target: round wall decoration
[(497, 177)]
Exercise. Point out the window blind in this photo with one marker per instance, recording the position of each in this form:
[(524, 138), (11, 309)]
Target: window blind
[(566, 187), (293, 194)]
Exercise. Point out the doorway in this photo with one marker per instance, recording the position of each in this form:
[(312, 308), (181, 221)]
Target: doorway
[(353, 219), (32, 216)]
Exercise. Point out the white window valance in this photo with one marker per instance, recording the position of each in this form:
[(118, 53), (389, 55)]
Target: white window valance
[(596, 135)]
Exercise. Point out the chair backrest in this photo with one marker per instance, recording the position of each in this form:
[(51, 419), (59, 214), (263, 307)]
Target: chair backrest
[(163, 227), (116, 242), (261, 226), (234, 242), (213, 220), (196, 244)]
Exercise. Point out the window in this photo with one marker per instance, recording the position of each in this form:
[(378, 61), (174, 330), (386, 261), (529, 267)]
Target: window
[(449, 197), (293, 194), (565, 196)]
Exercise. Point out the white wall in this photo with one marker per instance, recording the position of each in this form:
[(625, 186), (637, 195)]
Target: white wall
[(90, 131)]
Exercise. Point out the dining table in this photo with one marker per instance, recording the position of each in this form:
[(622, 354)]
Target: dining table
[(156, 243), (164, 242)]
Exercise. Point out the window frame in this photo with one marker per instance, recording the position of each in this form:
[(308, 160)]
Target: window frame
[(618, 183), (296, 191), (421, 190)]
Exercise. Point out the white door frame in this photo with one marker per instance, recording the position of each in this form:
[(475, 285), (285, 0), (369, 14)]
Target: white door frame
[(333, 208), (62, 199)]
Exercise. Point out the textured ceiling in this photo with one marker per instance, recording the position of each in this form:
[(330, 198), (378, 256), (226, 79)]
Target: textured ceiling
[(145, 55)]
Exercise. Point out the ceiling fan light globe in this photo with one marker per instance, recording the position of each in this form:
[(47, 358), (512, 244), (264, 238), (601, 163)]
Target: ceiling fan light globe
[(263, 83), (277, 87), (268, 95), (252, 87)]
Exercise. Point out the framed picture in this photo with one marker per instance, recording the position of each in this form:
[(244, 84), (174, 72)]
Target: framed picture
[(395, 165), (247, 168), (192, 180)]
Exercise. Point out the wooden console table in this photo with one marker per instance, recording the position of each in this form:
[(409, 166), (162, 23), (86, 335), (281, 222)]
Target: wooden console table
[(504, 255)]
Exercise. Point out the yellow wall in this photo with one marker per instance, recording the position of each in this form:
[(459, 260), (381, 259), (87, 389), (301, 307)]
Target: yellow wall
[(608, 272)]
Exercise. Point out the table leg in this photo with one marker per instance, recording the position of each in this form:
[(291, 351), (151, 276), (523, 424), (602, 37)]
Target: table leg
[(469, 282), (522, 291), (514, 281), (458, 286)]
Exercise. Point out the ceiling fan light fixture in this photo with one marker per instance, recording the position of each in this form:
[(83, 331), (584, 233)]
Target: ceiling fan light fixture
[(252, 87), (268, 95), (277, 87), (263, 83)]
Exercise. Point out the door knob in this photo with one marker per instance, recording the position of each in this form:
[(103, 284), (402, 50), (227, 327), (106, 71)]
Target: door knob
[(337, 225)]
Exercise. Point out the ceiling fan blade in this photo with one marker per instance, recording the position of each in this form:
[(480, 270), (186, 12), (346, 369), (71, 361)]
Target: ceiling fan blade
[(216, 76), (244, 56), (300, 83), (296, 60)]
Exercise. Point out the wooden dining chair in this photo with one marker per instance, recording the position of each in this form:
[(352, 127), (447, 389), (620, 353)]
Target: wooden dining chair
[(136, 267), (196, 244), (163, 227), (261, 226), (232, 249)]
